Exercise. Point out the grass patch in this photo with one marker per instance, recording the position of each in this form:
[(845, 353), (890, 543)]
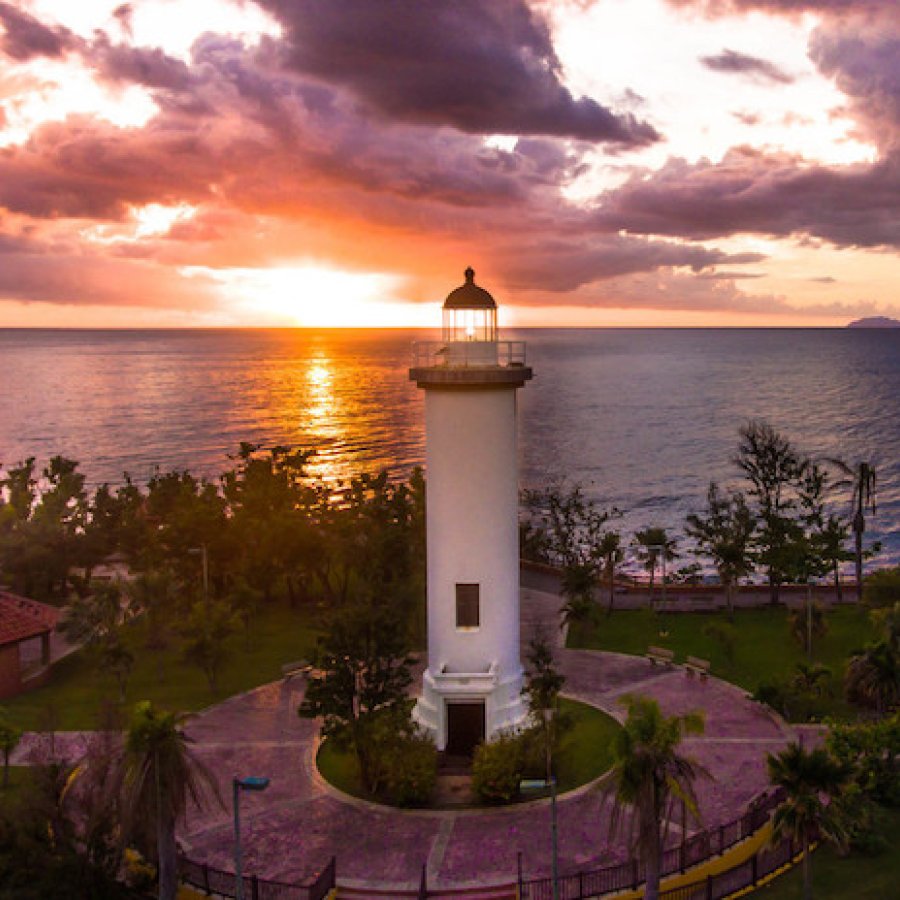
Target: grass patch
[(839, 878), (765, 649), (78, 690), (585, 753)]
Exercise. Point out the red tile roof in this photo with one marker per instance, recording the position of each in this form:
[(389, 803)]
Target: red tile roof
[(21, 619)]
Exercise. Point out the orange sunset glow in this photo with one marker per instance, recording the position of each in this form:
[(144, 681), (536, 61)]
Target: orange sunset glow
[(315, 164)]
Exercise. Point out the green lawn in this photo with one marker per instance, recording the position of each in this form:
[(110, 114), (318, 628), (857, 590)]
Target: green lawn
[(845, 878), (765, 649), (585, 752), (78, 691)]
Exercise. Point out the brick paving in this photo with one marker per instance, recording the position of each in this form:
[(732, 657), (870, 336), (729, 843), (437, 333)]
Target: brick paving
[(294, 827), (291, 830)]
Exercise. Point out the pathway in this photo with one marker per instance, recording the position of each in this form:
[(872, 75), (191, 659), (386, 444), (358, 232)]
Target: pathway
[(292, 829)]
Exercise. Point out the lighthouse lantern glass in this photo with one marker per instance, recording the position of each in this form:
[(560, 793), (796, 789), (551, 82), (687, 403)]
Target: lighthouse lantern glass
[(470, 325)]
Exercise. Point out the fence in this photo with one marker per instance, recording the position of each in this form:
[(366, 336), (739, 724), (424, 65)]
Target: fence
[(218, 881), (747, 874), (630, 875)]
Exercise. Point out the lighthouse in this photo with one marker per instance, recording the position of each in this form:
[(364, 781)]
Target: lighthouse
[(472, 687)]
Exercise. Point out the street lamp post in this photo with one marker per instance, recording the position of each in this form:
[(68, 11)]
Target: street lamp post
[(250, 783), (537, 784), (548, 719)]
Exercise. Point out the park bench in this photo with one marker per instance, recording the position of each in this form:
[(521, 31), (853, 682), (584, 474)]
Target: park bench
[(289, 670), (693, 665), (660, 655)]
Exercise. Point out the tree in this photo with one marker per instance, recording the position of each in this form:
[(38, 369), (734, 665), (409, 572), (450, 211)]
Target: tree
[(833, 539), (654, 546), (205, 633), (10, 735), (860, 478), (649, 776), (362, 668), (772, 466), (159, 776), (611, 554), (96, 619), (571, 526), (812, 782), (873, 677), (806, 623), (154, 594), (724, 534), (543, 683)]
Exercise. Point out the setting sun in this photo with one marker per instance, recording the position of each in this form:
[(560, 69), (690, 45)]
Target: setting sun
[(317, 297)]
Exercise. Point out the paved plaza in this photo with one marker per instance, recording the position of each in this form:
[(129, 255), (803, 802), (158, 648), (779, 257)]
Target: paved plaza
[(293, 829), (300, 822)]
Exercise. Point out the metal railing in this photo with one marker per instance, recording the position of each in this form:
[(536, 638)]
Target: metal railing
[(219, 881), (468, 354), (630, 875)]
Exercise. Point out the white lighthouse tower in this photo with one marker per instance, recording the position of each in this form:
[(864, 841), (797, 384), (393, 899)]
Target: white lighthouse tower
[(472, 686)]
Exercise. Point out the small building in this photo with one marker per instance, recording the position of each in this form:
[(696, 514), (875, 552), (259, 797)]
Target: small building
[(472, 688), (25, 627)]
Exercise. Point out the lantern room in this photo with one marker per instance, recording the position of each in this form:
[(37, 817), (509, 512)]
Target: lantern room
[(470, 313)]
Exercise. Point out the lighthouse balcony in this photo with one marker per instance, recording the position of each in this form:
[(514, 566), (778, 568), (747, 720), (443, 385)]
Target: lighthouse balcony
[(449, 677), (469, 362), (468, 353)]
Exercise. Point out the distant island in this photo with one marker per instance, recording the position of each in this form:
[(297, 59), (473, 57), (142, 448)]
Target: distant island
[(875, 322)]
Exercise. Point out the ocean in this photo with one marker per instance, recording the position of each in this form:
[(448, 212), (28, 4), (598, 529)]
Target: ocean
[(643, 418)]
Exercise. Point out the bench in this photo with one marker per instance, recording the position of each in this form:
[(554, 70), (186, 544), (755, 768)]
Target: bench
[(289, 670), (696, 666), (660, 655)]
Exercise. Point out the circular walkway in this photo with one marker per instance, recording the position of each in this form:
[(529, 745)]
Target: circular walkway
[(290, 831)]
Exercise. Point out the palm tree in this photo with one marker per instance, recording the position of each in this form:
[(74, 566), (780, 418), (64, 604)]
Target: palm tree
[(610, 551), (873, 677), (649, 776), (812, 783), (654, 545), (860, 479), (158, 775)]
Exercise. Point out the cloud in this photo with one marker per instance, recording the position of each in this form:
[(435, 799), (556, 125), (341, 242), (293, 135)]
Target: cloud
[(864, 59), (734, 63), (753, 192), (714, 8), (482, 66), (35, 270), (25, 37)]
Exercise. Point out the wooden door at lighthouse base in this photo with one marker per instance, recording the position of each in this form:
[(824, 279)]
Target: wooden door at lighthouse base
[(465, 727)]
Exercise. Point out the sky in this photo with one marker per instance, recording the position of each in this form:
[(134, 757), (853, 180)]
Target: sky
[(177, 163)]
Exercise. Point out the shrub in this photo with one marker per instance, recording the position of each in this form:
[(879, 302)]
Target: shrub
[(882, 588), (411, 771), (402, 759), (497, 769)]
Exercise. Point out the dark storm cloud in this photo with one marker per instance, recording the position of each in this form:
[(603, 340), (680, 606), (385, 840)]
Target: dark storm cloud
[(764, 194), (482, 67), (864, 60), (563, 265), (25, 37), (734, 63), (148, 66)]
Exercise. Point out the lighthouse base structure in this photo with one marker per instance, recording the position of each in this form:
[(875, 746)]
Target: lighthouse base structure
[(461, 709)]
